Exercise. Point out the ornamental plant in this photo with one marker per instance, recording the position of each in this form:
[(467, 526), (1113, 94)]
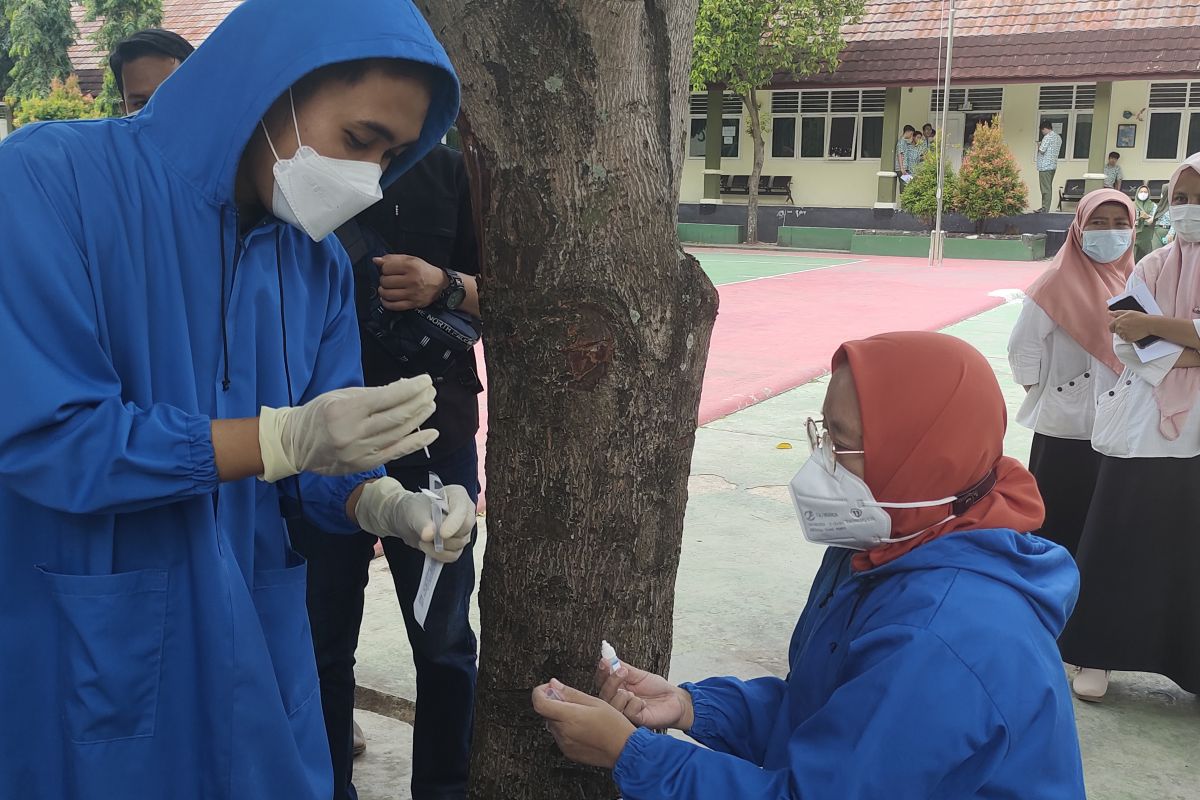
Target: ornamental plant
[(919, 198), (65, 101), (989, 184)]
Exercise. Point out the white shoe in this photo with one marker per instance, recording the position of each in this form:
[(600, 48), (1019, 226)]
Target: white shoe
[(1090, 684), (360, 741)]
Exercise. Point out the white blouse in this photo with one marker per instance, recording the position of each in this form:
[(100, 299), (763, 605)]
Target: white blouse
[(1067, 380), (1127, 416)]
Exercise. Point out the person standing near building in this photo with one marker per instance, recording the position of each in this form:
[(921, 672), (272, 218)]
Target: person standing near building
[(1139, 601), (1146, 212), (1112, 172), (1047, 163), (1061, 352), (143, 61), (425, 226), (903, 168)]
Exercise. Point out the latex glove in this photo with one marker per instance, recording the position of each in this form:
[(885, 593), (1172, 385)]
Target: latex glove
[(346, 431), (386, 508)]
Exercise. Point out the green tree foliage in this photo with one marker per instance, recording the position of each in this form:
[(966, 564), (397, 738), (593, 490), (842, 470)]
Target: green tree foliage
[(743, 44), (65, 101), (119, 19), (919, 198), (41, 32), (6, 62), (989, 184)]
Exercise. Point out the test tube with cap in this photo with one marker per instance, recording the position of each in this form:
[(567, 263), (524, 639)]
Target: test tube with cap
[(609, 654)]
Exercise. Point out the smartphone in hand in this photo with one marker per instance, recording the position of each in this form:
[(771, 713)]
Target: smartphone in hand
[(1130, 303)]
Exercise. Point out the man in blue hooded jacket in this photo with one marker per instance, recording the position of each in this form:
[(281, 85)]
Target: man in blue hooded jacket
[(183, 351)]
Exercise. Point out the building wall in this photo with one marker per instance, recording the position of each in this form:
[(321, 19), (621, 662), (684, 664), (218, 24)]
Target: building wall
[(852, 184)]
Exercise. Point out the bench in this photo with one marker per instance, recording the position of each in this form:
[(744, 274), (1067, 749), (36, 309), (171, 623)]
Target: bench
[(1071, 192), (1156, 189), (767, 185), (1129, 187)]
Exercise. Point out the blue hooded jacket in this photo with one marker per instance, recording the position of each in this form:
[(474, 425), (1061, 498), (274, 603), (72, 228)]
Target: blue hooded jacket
[(935, 676), (153, 634)]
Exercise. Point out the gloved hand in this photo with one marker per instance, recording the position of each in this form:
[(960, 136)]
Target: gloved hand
[(385, 508), (346, 431)]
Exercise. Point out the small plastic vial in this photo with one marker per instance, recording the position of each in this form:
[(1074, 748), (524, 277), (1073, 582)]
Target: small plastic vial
[(610, 655)]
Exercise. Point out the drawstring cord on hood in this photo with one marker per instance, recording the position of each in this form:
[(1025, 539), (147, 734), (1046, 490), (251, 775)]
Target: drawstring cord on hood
[(225, 383), (287, 368)]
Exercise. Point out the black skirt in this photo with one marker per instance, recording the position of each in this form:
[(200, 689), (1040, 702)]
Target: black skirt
[(1139, 561), (1066, 472)]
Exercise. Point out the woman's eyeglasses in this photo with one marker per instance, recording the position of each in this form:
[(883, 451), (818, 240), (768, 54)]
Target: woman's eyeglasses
[(819, 439)]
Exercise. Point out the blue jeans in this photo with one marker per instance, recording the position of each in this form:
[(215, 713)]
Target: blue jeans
[(444, 652)]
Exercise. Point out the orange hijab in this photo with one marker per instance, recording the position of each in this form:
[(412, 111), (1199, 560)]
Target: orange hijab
[(933, 422), (1074, 292)]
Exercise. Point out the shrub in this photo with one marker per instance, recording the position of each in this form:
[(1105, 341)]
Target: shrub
[(919, 198), (989, 184), (65, 101)]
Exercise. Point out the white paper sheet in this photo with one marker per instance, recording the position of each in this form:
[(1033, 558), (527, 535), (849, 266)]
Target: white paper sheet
[(1162, 347)]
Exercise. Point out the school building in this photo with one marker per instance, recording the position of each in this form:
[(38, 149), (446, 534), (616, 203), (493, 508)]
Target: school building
[(1110, 75)]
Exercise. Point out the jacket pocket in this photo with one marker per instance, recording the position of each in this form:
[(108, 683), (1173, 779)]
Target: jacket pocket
[(111, 630), (279, 597), (1110, 435), (1065, 408)]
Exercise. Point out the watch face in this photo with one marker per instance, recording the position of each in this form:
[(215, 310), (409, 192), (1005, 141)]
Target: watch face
[(455, 297)]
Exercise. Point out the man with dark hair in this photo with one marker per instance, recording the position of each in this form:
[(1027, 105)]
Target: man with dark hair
[(143, 61), (1113, 176), (1047, 162), (417, 249)]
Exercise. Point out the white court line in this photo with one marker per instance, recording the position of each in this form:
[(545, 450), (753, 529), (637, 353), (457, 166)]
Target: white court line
[(790, 274)]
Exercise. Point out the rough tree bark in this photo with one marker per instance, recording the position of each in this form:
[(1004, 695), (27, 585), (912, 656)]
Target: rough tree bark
[(760, 153), (597, 331)]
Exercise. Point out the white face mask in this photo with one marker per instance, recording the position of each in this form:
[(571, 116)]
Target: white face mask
[(318, 194), (1105, 247), (1186, 221), (1143, 195), (836, 507)]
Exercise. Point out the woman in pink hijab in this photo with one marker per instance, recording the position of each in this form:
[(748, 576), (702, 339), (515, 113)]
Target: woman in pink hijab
[(1139, 604), (1061, 351)]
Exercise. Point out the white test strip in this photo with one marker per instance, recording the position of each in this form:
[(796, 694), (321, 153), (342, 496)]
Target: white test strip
[(433, 568)]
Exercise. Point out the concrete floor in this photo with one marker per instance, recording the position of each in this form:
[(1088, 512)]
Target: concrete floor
[(744, 574)]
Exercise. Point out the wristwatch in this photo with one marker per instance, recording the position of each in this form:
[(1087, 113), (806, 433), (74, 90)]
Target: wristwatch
[(455, 293)]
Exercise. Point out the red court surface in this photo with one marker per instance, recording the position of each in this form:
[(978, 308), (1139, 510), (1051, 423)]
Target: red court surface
[(775, 333)]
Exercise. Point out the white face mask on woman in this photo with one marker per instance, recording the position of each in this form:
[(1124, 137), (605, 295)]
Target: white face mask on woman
[(1143, 195), (318, 194), (1105, 247), (836, 507), (1186, 221)]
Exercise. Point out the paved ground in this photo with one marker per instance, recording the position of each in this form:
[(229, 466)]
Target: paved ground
[(736, 605)]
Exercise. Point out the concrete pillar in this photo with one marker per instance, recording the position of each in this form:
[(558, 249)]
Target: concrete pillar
[(1098, 155), (886, 196), (712, 146)]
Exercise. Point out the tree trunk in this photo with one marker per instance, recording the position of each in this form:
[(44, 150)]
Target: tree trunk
[(597, 330), (756, 134)]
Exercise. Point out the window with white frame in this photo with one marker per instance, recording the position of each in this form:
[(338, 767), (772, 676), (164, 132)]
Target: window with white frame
[(1174, 121), (973, 99), (1068, 109), (838, 124), (731, 125)]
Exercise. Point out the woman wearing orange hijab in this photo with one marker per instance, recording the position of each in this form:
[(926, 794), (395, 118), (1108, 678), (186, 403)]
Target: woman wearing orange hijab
[(1139, 605), (931, 671), (1061, 351)]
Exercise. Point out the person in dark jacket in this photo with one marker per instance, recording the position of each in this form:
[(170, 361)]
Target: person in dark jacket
[(929, 671), (425, 225)]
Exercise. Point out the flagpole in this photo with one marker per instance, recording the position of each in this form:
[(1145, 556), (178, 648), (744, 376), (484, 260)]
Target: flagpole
[(938, 241)]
